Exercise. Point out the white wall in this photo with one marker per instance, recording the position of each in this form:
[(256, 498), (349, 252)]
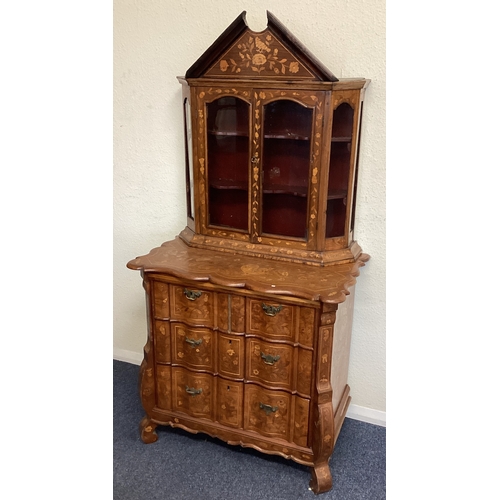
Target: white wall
[(155, 41)]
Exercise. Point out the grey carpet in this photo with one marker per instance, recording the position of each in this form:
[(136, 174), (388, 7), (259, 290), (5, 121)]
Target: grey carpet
[(184, 466)]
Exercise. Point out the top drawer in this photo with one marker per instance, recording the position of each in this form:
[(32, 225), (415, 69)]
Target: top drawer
[(192, 306), (279, 321)]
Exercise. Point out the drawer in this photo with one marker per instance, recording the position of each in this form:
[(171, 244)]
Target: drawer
[(277, 414), (192, 392), (164, 387), (193, 347), (192, 306), (280, 366), (230, 403), (162, 341), (231, 313), (267, 412), (272, 319), (307, 325), (161, 301), (270, 364), (230, 356)]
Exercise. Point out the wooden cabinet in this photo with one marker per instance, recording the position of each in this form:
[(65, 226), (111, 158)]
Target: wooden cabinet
[(250, 308)]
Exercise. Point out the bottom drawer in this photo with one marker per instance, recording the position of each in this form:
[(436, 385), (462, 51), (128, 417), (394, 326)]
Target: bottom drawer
[(192, 392), (276, 414)]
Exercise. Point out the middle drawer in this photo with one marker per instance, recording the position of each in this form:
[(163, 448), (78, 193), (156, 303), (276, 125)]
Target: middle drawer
[(193, 347)]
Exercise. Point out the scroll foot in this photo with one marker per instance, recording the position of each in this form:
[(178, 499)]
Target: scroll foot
[(147, 429), (321, 478)]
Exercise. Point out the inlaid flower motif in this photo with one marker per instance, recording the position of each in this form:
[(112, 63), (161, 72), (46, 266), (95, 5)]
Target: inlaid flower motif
[(258, 55), (258, 60)]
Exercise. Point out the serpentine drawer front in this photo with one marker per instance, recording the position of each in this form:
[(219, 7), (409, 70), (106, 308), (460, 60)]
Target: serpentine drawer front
[(250, 307)]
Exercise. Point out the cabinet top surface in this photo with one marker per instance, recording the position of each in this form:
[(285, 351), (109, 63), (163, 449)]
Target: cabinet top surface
[(325, 284)]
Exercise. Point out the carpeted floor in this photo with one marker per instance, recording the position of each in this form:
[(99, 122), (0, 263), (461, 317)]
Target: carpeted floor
[(184, 466)]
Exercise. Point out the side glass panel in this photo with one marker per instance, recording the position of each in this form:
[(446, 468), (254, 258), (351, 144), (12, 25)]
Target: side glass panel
[(338, 177), (227, 168), (285, 168), (188, 138)]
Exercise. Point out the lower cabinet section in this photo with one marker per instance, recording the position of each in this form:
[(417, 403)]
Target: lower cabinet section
[(239, 405), (253, 369)]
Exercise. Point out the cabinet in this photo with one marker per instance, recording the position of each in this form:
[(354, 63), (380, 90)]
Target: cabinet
[(250, 307)]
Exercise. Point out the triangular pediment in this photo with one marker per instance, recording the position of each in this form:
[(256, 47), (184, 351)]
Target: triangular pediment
[(273, 53)]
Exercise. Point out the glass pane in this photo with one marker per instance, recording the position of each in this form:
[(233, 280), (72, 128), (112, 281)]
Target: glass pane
[(189, 159), (285, 165), (227, 168), (338, 176)]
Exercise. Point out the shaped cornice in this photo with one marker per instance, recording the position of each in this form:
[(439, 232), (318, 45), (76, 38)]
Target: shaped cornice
[(273, 53)]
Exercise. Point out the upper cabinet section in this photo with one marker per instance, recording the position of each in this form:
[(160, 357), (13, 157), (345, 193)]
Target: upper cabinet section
[(272, 141)]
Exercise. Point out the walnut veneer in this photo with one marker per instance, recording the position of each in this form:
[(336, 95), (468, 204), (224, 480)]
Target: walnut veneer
[(250, 307)]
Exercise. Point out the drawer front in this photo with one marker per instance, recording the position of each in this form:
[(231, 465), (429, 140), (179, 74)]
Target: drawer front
[(193, 347), (267, 412), (161, 301), (306, 326), (271, 319), (231, 313), (230, 356), (304, 372), (301, 421), (162, 341), (164, 387), (230, 403), (270, 364), (192, 306), (192, 392)]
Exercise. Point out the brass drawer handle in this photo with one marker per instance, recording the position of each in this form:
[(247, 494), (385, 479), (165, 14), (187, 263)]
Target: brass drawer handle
[(271, 310), (269, 359), (191, 294), (268, 408), (193, 342), (192, 391)]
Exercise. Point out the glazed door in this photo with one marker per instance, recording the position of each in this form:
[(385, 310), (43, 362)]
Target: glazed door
[(285, 165), (223, 156), (341, 182)]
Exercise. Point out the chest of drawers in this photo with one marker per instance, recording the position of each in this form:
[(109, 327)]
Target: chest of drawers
[(247, 351)]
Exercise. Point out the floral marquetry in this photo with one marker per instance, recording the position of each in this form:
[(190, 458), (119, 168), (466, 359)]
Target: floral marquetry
[(259, 54), (250, 309)]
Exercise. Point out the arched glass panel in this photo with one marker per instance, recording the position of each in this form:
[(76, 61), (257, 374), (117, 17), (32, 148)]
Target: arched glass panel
[(188, 137), (227, 162), (285, 168), (338, 176)]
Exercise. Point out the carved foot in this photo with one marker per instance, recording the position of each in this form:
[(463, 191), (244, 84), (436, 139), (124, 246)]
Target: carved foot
[(147, 429), (321, 478)]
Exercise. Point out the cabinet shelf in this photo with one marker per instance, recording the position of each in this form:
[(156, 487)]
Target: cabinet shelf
[(229, 184), (342, 139), (284, 189), (229, 133), (336, 194), (291, 137)]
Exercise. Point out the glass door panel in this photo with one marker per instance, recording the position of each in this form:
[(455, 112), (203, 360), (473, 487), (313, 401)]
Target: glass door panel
[(188, 137), (285, 168), (227, 162), (338, 176)]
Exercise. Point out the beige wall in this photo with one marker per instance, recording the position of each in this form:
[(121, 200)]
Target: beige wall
[(155, 41)]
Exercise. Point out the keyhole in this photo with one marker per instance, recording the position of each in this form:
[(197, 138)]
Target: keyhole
[(228, 388), (230, 341)]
